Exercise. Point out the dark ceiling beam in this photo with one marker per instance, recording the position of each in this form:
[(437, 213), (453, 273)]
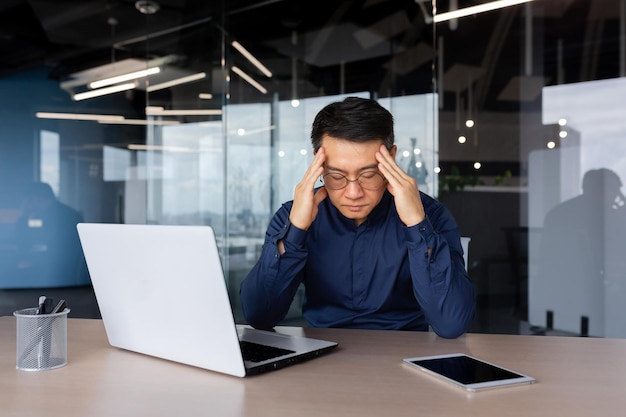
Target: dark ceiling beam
[(410, 38), (492, 55), (53, 17), (9, 4), (319, 43), (591, 49)]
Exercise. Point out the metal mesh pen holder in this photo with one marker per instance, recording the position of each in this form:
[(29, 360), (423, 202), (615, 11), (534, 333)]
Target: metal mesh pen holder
[(41, 340)]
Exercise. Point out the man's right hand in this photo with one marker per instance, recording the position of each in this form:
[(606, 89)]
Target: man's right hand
[(305, 200)]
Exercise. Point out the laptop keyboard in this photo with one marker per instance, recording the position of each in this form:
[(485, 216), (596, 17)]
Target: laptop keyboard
[(255, 352)]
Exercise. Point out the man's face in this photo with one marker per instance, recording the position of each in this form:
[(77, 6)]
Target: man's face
[(352, 159)]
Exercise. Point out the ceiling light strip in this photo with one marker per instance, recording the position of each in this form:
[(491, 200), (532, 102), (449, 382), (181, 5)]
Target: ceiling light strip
[(139, 147), (249, 79), (139, 122), (124, 77), (252, 59), (176, 81), (79, 116), (467, 11), (192, 112), (103, 91)]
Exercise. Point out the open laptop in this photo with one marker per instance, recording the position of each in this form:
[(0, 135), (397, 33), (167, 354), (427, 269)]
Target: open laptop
[(161, 292)]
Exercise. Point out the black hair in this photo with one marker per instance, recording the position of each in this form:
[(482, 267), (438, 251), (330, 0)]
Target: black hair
[(354, 119)]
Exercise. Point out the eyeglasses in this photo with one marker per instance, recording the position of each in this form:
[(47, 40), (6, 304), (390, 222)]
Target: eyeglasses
[(369, 180)]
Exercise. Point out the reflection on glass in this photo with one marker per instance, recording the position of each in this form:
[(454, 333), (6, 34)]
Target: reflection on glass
[(577, 203), (50, 159), (48, 250), (582, 262)]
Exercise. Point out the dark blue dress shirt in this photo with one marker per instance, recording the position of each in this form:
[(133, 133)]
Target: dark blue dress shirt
[(379, 275)]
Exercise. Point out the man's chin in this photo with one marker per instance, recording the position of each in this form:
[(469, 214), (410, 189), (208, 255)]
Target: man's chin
[(358, 216)]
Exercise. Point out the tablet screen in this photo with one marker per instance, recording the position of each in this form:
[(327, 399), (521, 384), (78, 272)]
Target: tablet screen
[(469, 372)]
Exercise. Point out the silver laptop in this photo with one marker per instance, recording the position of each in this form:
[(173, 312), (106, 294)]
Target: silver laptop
[(161, 292)]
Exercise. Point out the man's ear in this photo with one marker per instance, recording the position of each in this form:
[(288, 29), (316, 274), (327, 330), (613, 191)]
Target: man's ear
[(393, 151)]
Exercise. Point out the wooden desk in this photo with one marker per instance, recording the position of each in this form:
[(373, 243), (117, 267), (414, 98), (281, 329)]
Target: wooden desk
[(364, 376)]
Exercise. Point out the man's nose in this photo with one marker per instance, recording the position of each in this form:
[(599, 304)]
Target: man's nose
[(353, 190)]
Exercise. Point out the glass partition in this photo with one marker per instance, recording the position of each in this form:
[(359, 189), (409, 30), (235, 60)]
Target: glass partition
[(511, 117), (539, 82)]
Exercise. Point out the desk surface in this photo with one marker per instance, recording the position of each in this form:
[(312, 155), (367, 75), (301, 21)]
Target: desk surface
[(364, 376)]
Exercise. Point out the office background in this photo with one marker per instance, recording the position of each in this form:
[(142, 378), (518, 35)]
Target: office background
[(542, 83)]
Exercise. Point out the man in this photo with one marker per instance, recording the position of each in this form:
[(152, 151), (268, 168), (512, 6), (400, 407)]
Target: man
[(371, 249)]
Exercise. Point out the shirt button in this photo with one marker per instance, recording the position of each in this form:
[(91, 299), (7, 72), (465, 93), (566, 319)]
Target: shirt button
[(422, 229)]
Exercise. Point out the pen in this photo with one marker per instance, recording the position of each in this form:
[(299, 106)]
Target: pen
[(46, 336), (42, 305), (48, 304), (37, 340), (40, 353), (59, 307)]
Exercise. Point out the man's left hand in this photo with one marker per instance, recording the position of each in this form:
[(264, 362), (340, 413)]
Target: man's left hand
[(403, 188)]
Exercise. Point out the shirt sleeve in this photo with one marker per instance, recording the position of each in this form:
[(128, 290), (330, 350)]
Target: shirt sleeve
[(269, 288), (440, 281)]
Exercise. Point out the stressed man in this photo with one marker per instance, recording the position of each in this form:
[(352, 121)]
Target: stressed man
[(371, 249)]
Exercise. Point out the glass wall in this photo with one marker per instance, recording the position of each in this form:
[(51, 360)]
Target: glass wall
[(510, 117), (539, 83)]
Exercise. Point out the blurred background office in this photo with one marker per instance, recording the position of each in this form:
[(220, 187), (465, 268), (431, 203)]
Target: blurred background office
[(48, 250), (199, 112)]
